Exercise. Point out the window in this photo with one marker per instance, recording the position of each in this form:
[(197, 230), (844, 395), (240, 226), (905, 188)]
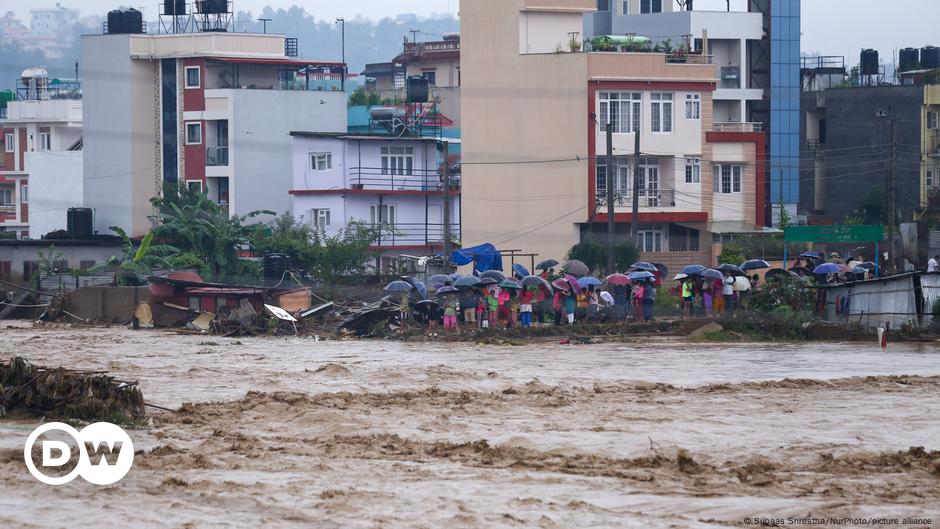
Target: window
[(192, 77), (621, 177), (929, 178), (620, 109), (6, 196), (319, 219), (651, 6), (693, 170), (9, 142), (603, 5), (6, 270), (321, 161), (45, 144), (601, 177), (397, 160), (431, 76), (693, 106), (383, 214), (193, 133), (30, 270), (651, 238), (85, 265), (932, 120), (727, 179), (194, 186), (24, 194), (626, 7), (661, 107)]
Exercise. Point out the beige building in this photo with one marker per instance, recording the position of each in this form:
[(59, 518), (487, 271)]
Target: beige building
[(534, 114)]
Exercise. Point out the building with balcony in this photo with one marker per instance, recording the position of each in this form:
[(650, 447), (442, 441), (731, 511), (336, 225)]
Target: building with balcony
[(847, 151), (393, 183), (534, 140), (41, 166), (212, 111), (757, 53)]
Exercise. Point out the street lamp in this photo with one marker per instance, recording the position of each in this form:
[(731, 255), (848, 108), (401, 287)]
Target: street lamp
[(264, 22), (342, 22)]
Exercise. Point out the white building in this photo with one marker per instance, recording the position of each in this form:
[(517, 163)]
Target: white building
[(395, 182), (212, 110), (41, 170), (727, 37)]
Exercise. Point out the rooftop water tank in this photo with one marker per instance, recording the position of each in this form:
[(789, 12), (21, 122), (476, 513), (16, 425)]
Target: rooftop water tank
[(869, 62), (908, 59), (930, 57)]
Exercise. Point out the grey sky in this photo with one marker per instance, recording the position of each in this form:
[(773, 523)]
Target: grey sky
[(830, 27)]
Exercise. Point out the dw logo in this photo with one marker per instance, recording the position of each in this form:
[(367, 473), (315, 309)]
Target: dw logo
[(106, 454)]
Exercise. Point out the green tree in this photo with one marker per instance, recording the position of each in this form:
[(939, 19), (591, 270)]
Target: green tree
[(870, 211), (362, 97), (625, 254), (136, 261)]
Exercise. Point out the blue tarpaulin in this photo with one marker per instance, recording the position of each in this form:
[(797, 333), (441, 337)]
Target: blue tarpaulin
[(484, 257)]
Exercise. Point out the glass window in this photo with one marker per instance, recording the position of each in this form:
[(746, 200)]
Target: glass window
[(24, 194), (728, 179), (192, 77), (398, 161), (929, 178), (6, 196), (194, 185), (693, 170), (319, 219), (693, 106), (9, 142), (651, 6), (321, 161), (45, 143), (601, 176), (932, 118), (382, 214), (193, 133), (431, 76), (603, 5), (621, 110), (661, 112), (626, 7)]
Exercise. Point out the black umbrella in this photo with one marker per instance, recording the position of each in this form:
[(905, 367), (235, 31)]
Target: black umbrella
[(534, 281), (755, 264), (488, 281), (731, 269), (493, 274), (546, 264), (780, 273), (644, 267)]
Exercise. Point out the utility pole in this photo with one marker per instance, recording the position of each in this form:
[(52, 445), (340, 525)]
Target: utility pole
[(264, 22), (611, 220), (634, 222), (892, 198), (445, 173)]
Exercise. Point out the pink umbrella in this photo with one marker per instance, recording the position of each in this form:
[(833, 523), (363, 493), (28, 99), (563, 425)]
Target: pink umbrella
[(573, 281), (562, 284), (618, 280)]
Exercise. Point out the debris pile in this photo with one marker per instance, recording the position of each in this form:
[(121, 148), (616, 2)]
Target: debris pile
[(67, 394)]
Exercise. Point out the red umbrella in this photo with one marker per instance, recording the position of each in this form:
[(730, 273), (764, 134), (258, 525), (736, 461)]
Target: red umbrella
[(573, 281), (618, 280), (562, 284)]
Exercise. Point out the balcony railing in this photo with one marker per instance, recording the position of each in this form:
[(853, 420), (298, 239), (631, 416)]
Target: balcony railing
[(7, 209), (415, 234), (738, 127), (217, 156), (375, 178), (815, 145), (649, 198)]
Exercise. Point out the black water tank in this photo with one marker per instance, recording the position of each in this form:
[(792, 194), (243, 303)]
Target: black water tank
[(908, 59), (116, 21), (80, 220), (275, 265), (930, 57), (212, 6), (869, 62), (133, 21), (418, 89), (174, 7)]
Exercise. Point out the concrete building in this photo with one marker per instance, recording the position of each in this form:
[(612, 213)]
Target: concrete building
[(212, 111), (757, 53), (41, 170), (534, 168), (847, 150), (393, 182), (20, 261)]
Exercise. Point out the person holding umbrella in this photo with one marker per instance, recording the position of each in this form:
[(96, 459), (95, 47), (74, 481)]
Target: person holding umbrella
[(571, 303), (469, 299), (649, 299), (727, 291), (451, 306), (526, 299), (492, 308)]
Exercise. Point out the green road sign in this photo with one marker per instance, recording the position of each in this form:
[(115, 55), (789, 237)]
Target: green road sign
[(834, 234)]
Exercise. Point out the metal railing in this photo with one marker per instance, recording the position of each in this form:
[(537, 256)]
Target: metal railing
[(7, 209), (738, 127), (375, 178), (649, 198), (217, 156), (415, 234), (815, 144)]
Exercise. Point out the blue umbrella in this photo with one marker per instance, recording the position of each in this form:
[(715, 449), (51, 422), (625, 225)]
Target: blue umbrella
[(827, 268), (439, 280), (755, 264), (467, 281), (519, 270), (645, 267), (585, 282), (641, 276), (398, 286), (510, 284), (495, 274), (812, 255), (546, 264), (693, 270), (712, 274), (418, 286), (446, 290)]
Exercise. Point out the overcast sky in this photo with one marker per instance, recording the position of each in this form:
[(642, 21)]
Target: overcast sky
[(830, 27)]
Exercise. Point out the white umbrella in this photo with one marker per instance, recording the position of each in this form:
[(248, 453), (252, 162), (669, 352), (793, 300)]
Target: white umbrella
[(680, 277), (742, 284), (607, 297)]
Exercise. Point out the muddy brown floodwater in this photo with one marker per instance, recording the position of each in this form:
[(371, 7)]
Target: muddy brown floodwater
[(361, 434)]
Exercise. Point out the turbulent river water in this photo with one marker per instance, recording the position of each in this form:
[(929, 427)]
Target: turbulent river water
[(654, 433)]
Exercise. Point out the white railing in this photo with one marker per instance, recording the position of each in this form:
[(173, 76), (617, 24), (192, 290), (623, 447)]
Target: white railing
[(738, 127)]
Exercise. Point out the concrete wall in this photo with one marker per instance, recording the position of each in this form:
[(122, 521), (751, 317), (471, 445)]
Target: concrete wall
[(18, 253), (260, 153), (536, 109), (119, 134), (55, 185), (107, 304)]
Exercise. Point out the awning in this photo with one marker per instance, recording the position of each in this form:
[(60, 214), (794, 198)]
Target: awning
[(730, 227)]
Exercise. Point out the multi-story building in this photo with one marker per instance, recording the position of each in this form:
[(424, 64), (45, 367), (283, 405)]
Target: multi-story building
[(42, 156), (534, 140), (394, 183), (210, 110), (757, 53), (52, 21), (848, 151)]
